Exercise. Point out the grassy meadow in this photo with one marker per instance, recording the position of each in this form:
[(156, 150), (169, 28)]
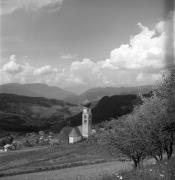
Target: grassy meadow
[(53, 157), (162, 170)]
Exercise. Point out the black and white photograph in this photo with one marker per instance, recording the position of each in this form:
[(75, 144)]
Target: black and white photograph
[(87, 90)]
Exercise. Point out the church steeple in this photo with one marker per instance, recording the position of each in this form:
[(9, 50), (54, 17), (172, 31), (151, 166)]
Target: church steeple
[(86, 119)]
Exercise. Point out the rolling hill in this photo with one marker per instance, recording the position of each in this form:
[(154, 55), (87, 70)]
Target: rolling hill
[(35, 90), (31, 112), (26, 114), (95, 94), (109, 107), (53, 92), (23, 113)]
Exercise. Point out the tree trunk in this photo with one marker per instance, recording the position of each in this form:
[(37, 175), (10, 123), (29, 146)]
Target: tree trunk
[(136, 163), (171, 143), (169, 146), (160, 157), (170, 151)]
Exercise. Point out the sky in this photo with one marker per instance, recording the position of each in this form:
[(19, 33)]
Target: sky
[(80, 44)]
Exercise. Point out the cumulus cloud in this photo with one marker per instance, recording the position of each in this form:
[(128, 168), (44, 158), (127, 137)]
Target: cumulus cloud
[(15, 71), (84, 72), (12, 67), (8, 6), (44, 70), (140, 62), (145, 50)]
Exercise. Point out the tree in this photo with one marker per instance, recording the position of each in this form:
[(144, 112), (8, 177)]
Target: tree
[(149, 129), (166, 91), (140, 133), (152, 117), (122, 134)]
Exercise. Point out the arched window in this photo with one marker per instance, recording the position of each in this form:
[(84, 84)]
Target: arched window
[(85, 116), (85, 120)]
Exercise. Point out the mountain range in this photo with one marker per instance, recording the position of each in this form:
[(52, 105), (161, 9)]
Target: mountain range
[(53, 92), (35, 90), (33, 107), (95, 94)]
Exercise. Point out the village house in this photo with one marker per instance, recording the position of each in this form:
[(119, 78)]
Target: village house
[(8, 147), (75, 134)]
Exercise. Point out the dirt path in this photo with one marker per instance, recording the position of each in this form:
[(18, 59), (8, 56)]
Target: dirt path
[(75, 173)]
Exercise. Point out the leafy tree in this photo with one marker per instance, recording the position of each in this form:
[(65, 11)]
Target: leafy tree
[(166, 91), (149, 129), (122, 134), (151, 117)]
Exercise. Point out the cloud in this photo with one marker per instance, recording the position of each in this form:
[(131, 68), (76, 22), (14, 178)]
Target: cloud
[(45, 70), (83, 72), (12, 67), (17, 71), (140, 62), (9, 6), (145, 50)]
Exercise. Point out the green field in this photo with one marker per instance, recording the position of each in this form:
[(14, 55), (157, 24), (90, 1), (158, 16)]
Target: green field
[(55, 157), (88, 172), (79, 162), (113, 170)]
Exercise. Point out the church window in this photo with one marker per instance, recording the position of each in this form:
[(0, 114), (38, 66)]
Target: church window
[(85, 121), (85, 116)]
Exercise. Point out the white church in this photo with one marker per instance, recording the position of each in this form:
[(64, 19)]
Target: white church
[(78, 133)]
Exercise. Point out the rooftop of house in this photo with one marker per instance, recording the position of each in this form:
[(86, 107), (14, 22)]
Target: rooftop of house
[(71, 131), (75, 132)]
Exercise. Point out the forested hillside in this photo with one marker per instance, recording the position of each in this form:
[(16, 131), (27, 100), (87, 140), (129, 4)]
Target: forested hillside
[(22, 113), (109, 107)]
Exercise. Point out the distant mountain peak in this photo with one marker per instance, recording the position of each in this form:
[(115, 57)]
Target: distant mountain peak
[(35, 90), (96, 93)]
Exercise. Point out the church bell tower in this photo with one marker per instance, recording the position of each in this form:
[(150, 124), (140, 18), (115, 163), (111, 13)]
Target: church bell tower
[(86, 120)]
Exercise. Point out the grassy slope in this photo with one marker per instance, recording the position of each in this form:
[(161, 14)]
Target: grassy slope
[(52, 156), (88, 172), (163, 170)]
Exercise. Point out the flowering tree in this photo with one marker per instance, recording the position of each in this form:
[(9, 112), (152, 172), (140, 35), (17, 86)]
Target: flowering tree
[(166, 91), (149, 129)]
